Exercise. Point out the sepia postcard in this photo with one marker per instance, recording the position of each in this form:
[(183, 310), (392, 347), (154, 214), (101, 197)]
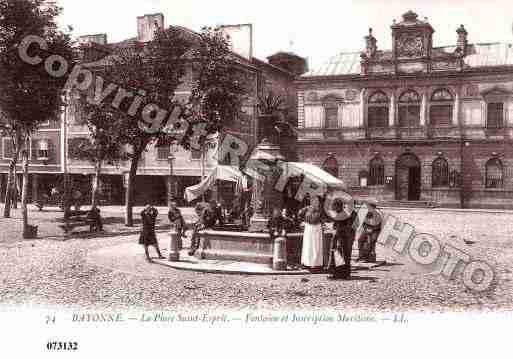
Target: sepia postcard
[(237, 179)]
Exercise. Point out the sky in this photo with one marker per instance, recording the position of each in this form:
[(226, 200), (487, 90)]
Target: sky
[(316, 29)]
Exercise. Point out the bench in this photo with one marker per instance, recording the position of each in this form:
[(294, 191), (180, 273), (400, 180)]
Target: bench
[(80, 219)]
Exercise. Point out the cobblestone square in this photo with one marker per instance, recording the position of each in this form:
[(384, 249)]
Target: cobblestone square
[(54, 271)]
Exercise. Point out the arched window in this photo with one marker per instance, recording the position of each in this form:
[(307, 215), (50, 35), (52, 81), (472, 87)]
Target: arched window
[(440, 109), (377, 110), (376, 172), (409, 109), (440, 172), (494, 173), (331, 166), (330, 113)]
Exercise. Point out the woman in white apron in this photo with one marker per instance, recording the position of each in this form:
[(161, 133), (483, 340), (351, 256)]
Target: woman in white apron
[(312, 254)]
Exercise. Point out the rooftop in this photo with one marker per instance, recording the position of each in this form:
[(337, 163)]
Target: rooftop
[(479, 55), (111, 50)]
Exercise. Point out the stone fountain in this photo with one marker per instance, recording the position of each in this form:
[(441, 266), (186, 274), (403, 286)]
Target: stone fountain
[(256, 245)]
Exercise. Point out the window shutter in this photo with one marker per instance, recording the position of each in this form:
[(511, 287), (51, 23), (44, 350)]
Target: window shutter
[(51, 149), (377, 116), (403, 116), (8, 148), (331, 117), (495, 115), (440, 115), (414, 116), (163, 152), (34, 149)]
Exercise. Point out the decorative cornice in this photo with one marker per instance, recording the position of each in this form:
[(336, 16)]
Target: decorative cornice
[(349, 80)]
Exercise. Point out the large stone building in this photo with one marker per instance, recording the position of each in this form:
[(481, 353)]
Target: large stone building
[(414, 123), (51, 146)]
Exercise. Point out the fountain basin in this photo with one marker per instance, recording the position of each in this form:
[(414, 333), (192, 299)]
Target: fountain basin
[(246, 246)]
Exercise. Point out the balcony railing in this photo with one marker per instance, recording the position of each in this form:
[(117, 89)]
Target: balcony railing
[(402, 133), (444, 132)]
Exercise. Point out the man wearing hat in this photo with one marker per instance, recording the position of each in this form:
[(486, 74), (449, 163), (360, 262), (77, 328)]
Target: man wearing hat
[(371, 228), (342, 244), (206, 220), (176, 220)]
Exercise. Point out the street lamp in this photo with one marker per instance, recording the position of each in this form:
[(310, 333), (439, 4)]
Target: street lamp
[(171, 183)]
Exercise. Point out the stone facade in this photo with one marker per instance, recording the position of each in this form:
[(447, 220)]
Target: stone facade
[(415, 123), (154, 169)]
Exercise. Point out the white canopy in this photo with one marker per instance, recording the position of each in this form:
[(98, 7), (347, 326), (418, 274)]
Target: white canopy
[(224, 173), (315, 174)]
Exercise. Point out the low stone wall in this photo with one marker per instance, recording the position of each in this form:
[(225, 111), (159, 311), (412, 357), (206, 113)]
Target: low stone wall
[(244, 246)]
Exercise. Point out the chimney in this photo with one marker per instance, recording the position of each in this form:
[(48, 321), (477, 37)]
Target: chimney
[(370, 45), (147, 25), (241, 39), (462, 39), (86, 40), (93, 47), (290, 62)]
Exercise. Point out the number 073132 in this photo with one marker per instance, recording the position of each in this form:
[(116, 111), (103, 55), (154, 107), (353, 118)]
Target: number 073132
[(62, 346)]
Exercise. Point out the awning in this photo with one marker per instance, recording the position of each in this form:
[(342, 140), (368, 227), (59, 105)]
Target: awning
[(223, 173), (314, 174)]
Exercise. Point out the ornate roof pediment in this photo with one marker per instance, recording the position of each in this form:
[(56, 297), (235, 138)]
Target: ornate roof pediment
[(332, 97), (497, 91)]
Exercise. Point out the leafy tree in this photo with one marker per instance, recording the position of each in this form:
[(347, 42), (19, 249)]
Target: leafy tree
[(28, 94), (220, 84), (154, 71), (102, 146)]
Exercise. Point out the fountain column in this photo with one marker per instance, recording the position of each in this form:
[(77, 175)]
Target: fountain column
[(266, 171)]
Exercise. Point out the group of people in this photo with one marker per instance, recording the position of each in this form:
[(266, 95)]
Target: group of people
[(346, 228), (209, 215), (346, 231)]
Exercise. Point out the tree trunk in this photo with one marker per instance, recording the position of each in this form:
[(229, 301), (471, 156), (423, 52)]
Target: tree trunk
[(11, 180), (24, 194), (9, 189), (15, 192), (66, 197), (96, 184), (129, 218), (202, 166)]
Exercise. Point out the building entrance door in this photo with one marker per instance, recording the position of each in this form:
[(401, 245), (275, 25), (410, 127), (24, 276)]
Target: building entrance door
[(408, 177)]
